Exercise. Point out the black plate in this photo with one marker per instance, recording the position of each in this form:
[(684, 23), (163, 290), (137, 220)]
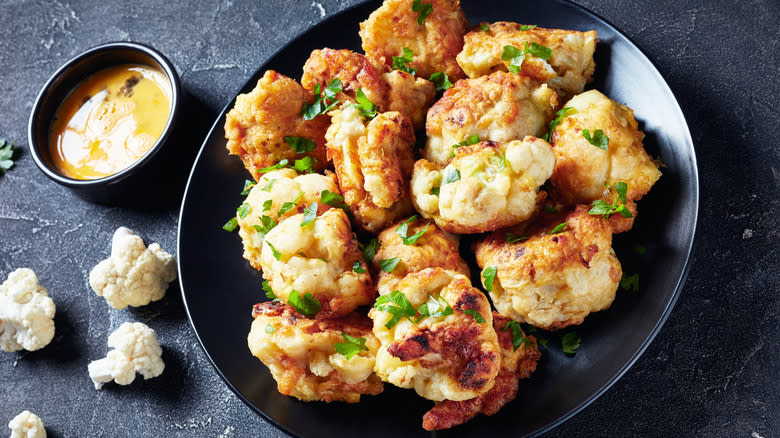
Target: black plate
[(219, 287)]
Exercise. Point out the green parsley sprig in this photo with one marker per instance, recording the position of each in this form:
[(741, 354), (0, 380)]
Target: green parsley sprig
[(630, 282), (423, 10), (369, 249), (353, 346), (403, 229), (599, 207), (299, 144), (488, 276), (598, 139), (402, 62), (474, 139), (559, 116), (305, 305), (570, 342), (518, 336), (323, 102), (441, 81), (364, 105), (6, 156)]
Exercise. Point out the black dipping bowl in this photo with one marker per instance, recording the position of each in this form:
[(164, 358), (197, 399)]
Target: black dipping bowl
[(143, 180)]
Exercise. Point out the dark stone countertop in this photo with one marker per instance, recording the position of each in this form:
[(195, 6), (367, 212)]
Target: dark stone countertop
[(712, 370)]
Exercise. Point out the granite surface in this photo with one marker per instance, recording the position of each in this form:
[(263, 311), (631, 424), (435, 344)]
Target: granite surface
[(712, 370)]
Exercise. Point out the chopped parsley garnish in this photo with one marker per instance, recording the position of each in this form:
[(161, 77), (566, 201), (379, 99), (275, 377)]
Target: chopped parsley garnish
[(423, 9), (364, 105), (280, 165), (306, 305), (451, 175), (268, 291), (599, 207), (333, 199), (396, 304), (441, 81), (570, 342), (309, 214), (322, 102), (515, 57), (287, 206), (388, 265), (598, 139), (484, 27), (268, 186), (277, 255), (513, 238), (231, 225), (369, 250), (243, 210), (630, 282), (527, 27), (352, 347), (558, 228), (436, 191), (267, 225), (559, 115), (476, 315), (640, 249), (401, 62), (270, 329), (305, 164), (268, 204), (300, 145), (539, 51), (434, 307), (247, 187), (550, 209), (518, 336), (403, 229), (488, 275), (474, 139), (6, 155), (358, 268)]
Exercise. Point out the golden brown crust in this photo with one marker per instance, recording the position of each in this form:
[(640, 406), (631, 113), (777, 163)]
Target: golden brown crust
[(258, 122), (435, 44), (409, 96), (354, 70)]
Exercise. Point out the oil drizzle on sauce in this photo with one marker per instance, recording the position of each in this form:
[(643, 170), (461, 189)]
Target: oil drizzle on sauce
[(109, 121)]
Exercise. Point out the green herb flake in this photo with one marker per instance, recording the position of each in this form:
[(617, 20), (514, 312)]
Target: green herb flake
[(434, 307), (305, 164), (621, 188), (559, 228), (6, 156), (630, 282), (300, 145), (451, 175), (323, 102), (364, 105), (277, 255), (247, 187), (423, 10), (515, 57), (543, 342), (518, 336), (476, 315), (267, 204), (270, 329), (332, 199), (231, 225), (403, 229), (287, 206), (358, 268), (309, 214), (514, 238), (441, 81), (559, 116), (401, 62), (484, 27), (488, 276), (436, 191), (267, 224), (598, 139), (474, 139), (527, 27), (640, 249), (570, 342), (603, 208), (268, 291), (244, 210), (306, 305), (396, 304), (550, 209), (280, 165), (352, 347), (369, 250), (388, 265), (268, 186), (539, 51)]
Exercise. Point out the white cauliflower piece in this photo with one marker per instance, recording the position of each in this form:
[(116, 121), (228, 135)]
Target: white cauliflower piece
[(136, 349), (26, 313), (134, 275), (27, 425)]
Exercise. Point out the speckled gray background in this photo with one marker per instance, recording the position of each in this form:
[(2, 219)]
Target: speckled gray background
[(712, 371)]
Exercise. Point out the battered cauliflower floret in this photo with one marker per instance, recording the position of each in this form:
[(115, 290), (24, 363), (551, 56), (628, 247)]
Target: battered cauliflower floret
[(451, 356), (260, 120), (134, 275), (409, 96), (516, 364), (136, 350), (354, 70), (567, 71), (301, 354), (435, 43), (582, 169), (484, 187), (27, 425), (276, 196), (26, 313), (501, 107), (555, 280), (435, 249), (318, 259), (373, 161)]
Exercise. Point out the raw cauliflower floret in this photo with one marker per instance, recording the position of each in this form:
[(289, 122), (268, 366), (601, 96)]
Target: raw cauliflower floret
[(26, 313), (134, 275), (451, 356), (569, 68), (318, 259), (373, 161), (485, 187), (301, 353), (278, 195), (27, 425), (136, 350), (500, 107), (553, 280)]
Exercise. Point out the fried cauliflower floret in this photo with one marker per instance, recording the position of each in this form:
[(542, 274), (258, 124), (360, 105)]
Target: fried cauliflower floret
[(449, 357), (301, 354), (516, 364), (484, 187), (409, 95), (567, 71), (501, 107), (435, 249), (27, 425), (260, 120), (26, 312), (278, 195), (136, 350), (133, 275), (582, 170), (373, 161), (553, 281), (354, 70), (435, 43), (317, 258)]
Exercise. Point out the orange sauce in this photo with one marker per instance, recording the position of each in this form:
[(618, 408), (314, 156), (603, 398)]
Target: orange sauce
[(109, 121)]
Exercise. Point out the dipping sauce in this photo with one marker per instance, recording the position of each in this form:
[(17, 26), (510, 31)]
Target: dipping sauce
[(109, 121)]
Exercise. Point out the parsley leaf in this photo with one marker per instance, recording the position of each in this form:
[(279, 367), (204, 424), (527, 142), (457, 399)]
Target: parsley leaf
[(6, 156), (268, 186), (309, 214), (474, 139), (267, 225), (388, 265), (621, 188), (305, 164), (488, 275), (436, 191), (559, 115), (268, 204), (539, 51), (358, 268), (599, 207), (333, 199), (243, 210), (369, 250), (484, 27), (300, 144), (513, 238), (518, 336), (268, 291), (231, 225), (559, 228), (400, 62), (570, 342), (598, 139), (277, 255), (451, 175), (306, 305), (270, 329), (247, 187), (515, 57), (434, 307), (352, 347), (280, 165), (527, 27), (441, 81), (396, 304), (550, 209), (287, 206), (640, 249), (476, 315), (322, 103), (630, 282), (403, 229), (366, 107), (424, 10)]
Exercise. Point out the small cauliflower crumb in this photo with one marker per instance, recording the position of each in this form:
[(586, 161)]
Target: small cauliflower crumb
[(26, 313), (27, 425), (134, 275), (136, 349)]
